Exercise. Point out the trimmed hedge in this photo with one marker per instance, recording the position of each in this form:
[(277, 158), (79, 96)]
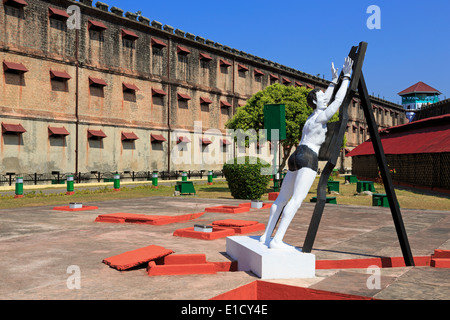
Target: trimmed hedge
[(245, 180)]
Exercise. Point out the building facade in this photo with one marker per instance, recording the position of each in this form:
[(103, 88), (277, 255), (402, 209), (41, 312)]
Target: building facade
[(100, 90)]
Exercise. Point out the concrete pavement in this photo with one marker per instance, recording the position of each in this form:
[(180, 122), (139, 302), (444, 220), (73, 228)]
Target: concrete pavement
[(37, 245)]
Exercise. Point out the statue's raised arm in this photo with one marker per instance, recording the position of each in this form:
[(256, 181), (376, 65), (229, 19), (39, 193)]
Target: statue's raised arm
[(334, 106)]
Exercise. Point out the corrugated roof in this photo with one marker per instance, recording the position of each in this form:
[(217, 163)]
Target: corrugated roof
[(430, 135)]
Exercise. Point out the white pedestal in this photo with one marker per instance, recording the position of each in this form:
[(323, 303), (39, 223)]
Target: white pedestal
[(269, 263), (74, 205)]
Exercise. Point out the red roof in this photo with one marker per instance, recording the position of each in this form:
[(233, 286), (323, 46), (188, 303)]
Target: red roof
[(129, 136), (418, 87), (59, 74), (12, 128), (17, 67), (58, 12), (96, 25), (96, 134), (129, 34), (157, 137), (430, 135), (58, 131)]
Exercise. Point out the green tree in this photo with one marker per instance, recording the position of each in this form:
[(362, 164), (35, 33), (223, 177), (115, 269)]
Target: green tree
[(297, 112)]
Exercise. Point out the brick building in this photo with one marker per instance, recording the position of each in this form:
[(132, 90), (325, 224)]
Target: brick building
[(110, 96), (418, 154)]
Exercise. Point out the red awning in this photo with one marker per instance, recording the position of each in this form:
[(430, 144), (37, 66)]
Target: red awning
[(96, 25), (274, 77), (310, 86), (96, 134), (158, 43), (60, 75), (20, 3), (430, 135), (129, 34), (158, 92), (97, 82), (225, 104), (241, 67), (54, 131), (183, 96), (183, 139), (129, 86), (226, 142), (205, 141), (129, 136), (205, 100), (286, 80), (182, 50), (57, 13), (298, 84), (157, 138), (224, 63), (14, 67), (258, 72), (12, 128), (204, 56)]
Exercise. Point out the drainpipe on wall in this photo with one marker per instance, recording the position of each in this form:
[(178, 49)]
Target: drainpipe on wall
[(233, 108), (76, 102), (168, 105)]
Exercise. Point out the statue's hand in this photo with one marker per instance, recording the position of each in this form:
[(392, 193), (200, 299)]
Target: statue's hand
[(348, 65), (335, 74)]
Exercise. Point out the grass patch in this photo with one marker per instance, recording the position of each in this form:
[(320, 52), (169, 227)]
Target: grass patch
[(407, 199)]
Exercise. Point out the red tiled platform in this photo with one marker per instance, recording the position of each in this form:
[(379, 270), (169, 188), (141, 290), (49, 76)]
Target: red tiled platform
[(262, 290), (240, 226), (217, 232), (155, 220), (136, 257), (440, 259), (228, 209), (183, 264), (67, 208)]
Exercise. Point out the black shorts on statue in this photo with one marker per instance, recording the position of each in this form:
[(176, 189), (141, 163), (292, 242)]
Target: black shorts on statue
[(303, 157)]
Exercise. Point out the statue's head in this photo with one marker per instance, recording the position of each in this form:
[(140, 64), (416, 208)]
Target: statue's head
[(316, 99)]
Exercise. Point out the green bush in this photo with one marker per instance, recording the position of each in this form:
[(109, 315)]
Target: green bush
[(245, 180)]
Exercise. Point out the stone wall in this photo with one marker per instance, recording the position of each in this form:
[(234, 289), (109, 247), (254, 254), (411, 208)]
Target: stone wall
[(120, 73)]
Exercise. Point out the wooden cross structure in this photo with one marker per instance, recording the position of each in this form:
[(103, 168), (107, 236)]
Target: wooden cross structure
[(331, 149)]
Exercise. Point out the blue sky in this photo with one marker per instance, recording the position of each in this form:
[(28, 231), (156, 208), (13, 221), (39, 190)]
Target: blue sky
[(412, 45)]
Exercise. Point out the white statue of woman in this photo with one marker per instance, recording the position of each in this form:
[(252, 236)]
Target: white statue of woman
[(303, 163)]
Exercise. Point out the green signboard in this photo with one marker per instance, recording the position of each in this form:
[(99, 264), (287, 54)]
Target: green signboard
[(275, 119)]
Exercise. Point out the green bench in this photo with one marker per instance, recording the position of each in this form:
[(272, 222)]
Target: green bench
[(362, 186), (380, 200), (185, 187), (333, 186), (328, 200), (351, 178)]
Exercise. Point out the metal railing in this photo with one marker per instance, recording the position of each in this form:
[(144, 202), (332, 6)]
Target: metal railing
[(56, 177)]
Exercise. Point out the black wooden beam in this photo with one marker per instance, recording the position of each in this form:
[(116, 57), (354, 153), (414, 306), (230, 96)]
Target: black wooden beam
[(384, 171)]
